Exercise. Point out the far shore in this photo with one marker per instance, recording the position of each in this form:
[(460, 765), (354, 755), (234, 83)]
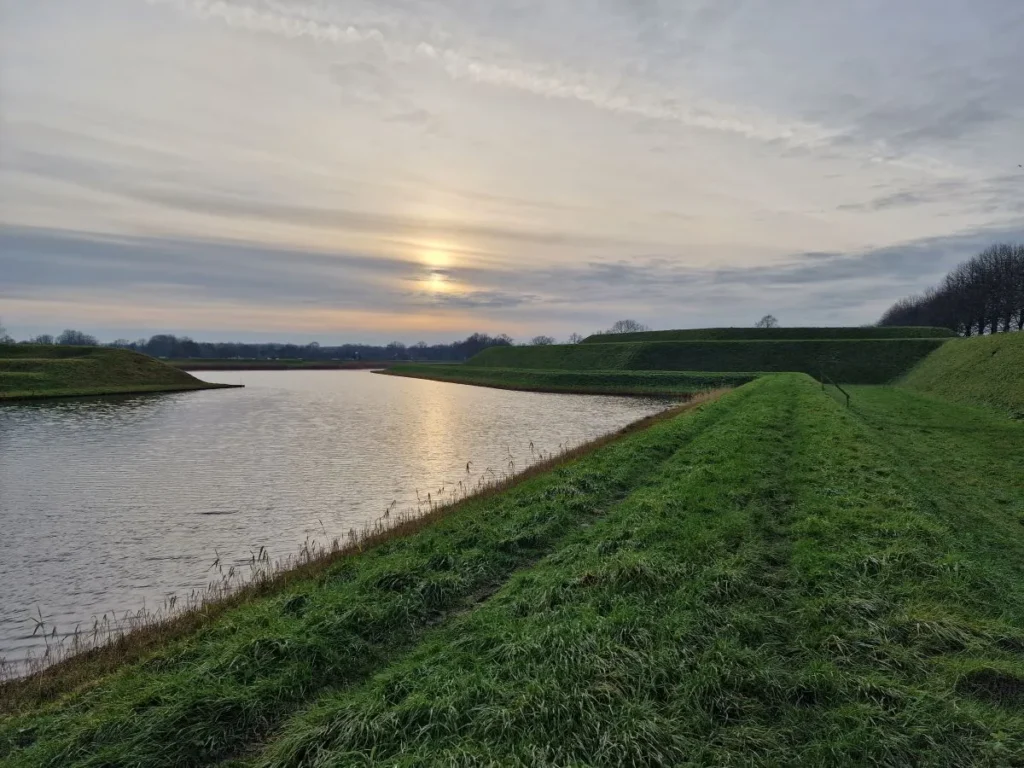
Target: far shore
[(193, 364), (109, 392)]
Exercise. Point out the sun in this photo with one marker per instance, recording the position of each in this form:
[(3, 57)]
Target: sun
[(437, 257), (438, 282)]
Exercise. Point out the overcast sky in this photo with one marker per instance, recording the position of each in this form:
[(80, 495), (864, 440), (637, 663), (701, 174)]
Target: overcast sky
[(420, 169)]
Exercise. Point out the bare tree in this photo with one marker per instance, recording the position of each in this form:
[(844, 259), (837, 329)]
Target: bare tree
[(768, 321), (984, 294), (43, 338), (575, 338), (4, 338), (627, 326), (542, 341), (77, 339)]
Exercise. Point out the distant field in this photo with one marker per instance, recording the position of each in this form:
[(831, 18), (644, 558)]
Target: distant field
[(772, 334), (871, 361), (29, 371), (233, 364), (985, 370), (580, 382)]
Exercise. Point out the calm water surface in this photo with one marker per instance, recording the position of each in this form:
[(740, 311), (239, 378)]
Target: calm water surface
[(111, 505)]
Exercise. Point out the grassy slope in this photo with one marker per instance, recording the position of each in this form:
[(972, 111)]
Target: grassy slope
[(853, 361), (580, 382), (988, 370), (47, 371), (771, 334), (774, 579)]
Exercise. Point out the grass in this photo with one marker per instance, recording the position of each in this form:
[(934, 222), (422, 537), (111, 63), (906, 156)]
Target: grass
[(871, 361), (768, 579), (984, 370), (772, 334), (640, 383), (262, 660), (33, 371)]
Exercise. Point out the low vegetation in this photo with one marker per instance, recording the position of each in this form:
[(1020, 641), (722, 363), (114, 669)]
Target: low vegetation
[(650, 383), (986, 370), (771, 334), (856, 361), (32, 371), (771, 578)]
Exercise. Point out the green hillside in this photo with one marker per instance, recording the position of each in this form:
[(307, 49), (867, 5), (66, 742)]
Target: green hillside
[(673, 383), (28, 371), (870, 361), (767, 579), (771, 334), (987, 370)]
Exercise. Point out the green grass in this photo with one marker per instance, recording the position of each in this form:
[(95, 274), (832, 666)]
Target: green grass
[(771, 579), (986, 370), (649, 383), (772, 334), (31, 371), (846, 361)]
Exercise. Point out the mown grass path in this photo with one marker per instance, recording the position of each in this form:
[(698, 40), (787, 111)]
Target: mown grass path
[(774, 580)]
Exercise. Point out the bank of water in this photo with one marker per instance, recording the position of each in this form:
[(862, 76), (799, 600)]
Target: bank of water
[(111, 505)]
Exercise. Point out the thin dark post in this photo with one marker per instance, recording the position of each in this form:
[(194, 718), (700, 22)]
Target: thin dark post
[(845, 393)]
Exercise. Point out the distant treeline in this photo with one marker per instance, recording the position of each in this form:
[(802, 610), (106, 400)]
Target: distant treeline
[(172, 347), (982, 295)]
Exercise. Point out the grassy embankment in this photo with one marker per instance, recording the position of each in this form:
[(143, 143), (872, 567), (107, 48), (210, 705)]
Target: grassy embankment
[(987, 370), (770, 579), (232, 364), (773, 334), (649, 383), (854, 361), (30, 371)]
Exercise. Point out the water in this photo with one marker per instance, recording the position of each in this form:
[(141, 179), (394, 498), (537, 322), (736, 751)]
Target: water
[(112, 505)]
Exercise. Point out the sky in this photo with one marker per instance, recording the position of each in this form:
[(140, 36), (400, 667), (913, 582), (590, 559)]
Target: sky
[(368, 170)]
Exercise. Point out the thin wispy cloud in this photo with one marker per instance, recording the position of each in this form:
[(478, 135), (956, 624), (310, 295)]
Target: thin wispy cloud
[(361, 166)]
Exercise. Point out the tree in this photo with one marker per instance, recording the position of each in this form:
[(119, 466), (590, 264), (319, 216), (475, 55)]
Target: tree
[(4, 338), (575, 338), (542, 341), (768, 321), (984, 294), (74, 338), (627, 326), (43, 338)]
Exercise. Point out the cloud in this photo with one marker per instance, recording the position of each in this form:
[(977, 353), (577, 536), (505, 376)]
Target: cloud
[(491, 299), (679, 162), (995, 193), (106, 271), (34, 261), (546, 80)]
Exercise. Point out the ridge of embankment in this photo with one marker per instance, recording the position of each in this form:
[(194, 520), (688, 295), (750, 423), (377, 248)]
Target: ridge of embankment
[(34, 371)]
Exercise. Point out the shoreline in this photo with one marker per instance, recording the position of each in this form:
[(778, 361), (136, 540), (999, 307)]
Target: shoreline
[(277, 365), (590, 391), (154, 389), (81, 667), (680, 389)]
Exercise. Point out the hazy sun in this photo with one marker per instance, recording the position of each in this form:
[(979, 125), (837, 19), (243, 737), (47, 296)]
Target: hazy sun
[(437, 257), (438, 282)]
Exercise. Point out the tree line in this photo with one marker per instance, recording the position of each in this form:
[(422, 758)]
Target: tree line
[(984, 294), (171, 347)]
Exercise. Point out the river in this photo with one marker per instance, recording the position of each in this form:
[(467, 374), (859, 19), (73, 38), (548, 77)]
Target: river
[(112, 505)]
